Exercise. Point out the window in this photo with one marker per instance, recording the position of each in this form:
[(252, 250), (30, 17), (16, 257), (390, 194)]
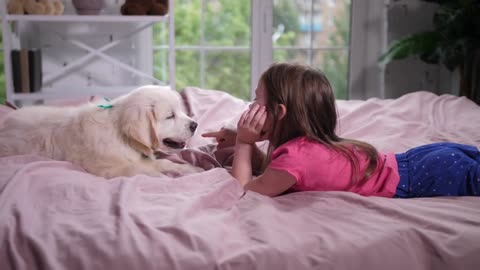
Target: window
[(214, 41), (306, 37), (212, 46)]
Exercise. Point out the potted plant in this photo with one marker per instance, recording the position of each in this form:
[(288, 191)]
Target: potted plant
[(454, 42)]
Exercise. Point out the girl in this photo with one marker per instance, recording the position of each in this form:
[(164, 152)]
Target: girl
[(295, 110)]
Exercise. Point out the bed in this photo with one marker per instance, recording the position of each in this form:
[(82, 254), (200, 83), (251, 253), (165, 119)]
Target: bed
[(54, 215)]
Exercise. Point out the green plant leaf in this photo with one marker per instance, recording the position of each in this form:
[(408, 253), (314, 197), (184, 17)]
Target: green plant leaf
[(433, 57), (423, 43), (453, 54)]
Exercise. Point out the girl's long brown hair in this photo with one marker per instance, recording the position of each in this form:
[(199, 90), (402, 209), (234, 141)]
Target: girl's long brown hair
[(311, 112)]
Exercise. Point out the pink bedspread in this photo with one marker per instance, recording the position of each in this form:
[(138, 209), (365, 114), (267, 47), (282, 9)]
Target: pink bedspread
[(53, 215)]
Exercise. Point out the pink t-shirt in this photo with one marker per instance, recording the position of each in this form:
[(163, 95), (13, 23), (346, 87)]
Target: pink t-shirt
[(318, 168)]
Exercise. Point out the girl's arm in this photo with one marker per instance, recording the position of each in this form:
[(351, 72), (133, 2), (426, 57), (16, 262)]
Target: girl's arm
[(249, 128), (242, 162), (271, 183)]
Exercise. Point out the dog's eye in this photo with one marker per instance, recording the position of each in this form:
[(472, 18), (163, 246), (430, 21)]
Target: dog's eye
[(171, 116)]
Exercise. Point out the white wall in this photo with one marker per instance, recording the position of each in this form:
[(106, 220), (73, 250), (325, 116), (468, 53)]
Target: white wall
[(367, 42), (404, 76), (375, 24)]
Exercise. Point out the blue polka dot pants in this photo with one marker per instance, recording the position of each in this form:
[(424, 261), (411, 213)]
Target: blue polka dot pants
[(439, 169)]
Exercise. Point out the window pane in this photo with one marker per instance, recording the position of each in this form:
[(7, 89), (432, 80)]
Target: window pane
[(316, 33), (334, 63), (335, 21), (227, 22), (223, 54), (160, 34), (286, 22), (160, 67), (335, 66), (292, 55), (187, 69), (229, 71), (187, 22), (315, 23)]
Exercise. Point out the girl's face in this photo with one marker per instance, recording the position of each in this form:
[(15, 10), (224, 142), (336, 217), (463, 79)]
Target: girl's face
[(261, 99)]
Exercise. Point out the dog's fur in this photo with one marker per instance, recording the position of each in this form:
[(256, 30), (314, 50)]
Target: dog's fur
[(109, 142)]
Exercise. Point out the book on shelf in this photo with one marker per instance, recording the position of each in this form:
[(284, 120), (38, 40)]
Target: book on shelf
[(27, 70)]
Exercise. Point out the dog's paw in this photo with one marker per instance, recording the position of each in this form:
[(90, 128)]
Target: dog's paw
[(188, 169), (182, 169), (175, 169)]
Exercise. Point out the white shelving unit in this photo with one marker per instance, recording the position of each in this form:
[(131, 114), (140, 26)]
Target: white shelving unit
[(98, 52)]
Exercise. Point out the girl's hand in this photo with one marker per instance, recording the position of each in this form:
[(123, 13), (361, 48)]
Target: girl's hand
[(224, 137), (250, 125)]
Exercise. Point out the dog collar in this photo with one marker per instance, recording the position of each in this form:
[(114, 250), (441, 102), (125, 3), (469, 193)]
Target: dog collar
[(106, 106)]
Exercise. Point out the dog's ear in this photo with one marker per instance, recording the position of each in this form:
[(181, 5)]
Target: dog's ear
[(138, 125)]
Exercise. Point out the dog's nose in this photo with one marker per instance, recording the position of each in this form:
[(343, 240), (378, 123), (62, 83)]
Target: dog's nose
[(193, 126)]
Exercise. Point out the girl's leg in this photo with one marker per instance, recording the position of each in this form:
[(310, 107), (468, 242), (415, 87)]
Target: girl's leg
[(440, 169)]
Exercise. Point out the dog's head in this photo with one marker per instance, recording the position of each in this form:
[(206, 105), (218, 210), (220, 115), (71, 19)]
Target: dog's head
[(151, 118)]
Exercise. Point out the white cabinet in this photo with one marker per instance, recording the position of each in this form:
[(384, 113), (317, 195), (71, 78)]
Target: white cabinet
[(84, 55)]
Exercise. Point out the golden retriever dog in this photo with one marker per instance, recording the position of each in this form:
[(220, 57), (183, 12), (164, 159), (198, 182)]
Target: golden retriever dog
[(119, 138)]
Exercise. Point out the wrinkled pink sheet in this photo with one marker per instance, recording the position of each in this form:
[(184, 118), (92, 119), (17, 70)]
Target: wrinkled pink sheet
[(53, 215)]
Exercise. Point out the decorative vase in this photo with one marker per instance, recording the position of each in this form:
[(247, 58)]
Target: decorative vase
[(88, 7)]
